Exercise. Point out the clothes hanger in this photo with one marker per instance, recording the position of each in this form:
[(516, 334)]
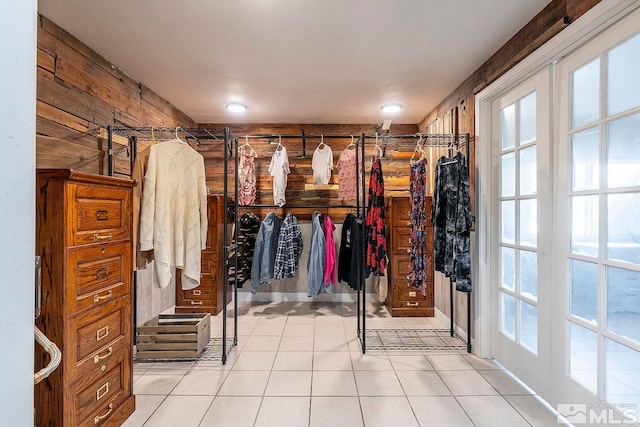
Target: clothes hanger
[(376, 147), (178, 128), (280, 147), (246, 144), (153, 136), (350, 144), (322, 144), (418, 149)]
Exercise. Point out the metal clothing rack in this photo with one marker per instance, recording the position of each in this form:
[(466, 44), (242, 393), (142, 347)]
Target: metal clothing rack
[(216, 349), (409, 339), (231, 138)]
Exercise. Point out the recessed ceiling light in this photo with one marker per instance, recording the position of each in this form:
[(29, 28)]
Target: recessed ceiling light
[(391, 108), (235, 107)]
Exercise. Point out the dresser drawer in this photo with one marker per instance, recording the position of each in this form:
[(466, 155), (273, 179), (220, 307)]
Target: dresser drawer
[(94, 402), (404, 293), (97, 275), (400, 267), (95, 330), (401, 240), (98, 214), (103, 360), (401, 211)]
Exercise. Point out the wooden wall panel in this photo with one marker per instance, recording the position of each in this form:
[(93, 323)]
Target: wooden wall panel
[(79, 92)]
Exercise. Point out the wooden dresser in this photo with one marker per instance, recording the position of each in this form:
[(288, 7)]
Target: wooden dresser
[(83, 234), (208, 297), (403, 300)]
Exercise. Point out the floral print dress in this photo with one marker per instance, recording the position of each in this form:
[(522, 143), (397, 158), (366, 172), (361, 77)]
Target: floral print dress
[(376, 239), (417, 277)]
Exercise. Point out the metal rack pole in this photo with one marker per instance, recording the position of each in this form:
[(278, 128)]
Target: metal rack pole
[(134, 154), (225, 251), (236, 220), (353, 238), (362, 232)]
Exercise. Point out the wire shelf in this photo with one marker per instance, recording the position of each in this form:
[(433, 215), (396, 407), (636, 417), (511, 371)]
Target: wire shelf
[(413, 339), (212, 352)]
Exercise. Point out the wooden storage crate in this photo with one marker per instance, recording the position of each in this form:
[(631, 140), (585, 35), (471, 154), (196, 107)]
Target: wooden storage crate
[(171, 336)]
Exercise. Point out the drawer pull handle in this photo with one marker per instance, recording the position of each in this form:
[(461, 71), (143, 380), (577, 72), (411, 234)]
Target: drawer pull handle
[(102, 273), (412, 293), (197, 292), (196, 302), (102, 215), (409, 223), (99, 238), (97, 298), (409, 250), (102, 391), (99, 418), (98, 358), (101, 333), (412, 304)]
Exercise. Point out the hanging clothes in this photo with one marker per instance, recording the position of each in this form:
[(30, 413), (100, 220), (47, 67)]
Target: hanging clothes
[(244, 241), (246, 176), (264, 254), (141, 258), (452, 220), (376, 238), (358, 254), (417, 277), (289, 249), (173, 219), (347, 175), (330, 265), (344, 257), (279, 169), (322, 164), (315, 264)]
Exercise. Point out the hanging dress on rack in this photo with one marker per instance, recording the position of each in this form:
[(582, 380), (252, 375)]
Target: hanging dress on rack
[(347, 175), (452, 221), (322, 164), (417, 277), (246, 176), (279, 169), (376, 238)]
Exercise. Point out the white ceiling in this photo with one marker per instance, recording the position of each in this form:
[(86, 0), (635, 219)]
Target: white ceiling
[(296, 61)]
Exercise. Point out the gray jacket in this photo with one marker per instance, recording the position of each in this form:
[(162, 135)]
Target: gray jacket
[(264, 254)]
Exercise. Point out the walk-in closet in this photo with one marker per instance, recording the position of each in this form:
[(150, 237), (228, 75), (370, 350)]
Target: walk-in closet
[(320, 213)]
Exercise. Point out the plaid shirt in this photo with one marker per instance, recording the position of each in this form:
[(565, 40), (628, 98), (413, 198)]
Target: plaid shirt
[(289, 249)]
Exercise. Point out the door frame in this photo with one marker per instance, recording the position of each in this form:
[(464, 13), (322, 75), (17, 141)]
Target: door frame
[(601, 16)]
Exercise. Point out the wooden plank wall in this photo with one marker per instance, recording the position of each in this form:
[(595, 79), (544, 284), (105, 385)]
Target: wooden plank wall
[(456, 112), (78, 92), (300, 188)]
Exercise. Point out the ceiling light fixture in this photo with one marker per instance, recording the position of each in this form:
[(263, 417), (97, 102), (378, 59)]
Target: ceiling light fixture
[(235, 107), (391, 108)]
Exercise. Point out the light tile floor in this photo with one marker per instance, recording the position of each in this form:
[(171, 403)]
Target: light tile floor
[(300, 364)]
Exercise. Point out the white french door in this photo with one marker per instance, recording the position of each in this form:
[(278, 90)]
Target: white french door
[(598, 223), (521, 291)]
